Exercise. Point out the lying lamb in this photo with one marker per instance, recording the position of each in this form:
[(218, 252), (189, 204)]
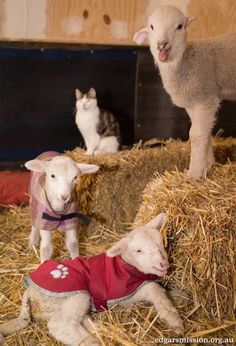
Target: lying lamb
[(64, 292), (198, 75), (53, 201)]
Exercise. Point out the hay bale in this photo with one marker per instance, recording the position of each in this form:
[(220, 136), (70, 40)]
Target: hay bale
[(113, 194), (201, 237)]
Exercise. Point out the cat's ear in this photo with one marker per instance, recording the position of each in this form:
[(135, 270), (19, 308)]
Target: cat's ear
[(78, 94), (92, 93)]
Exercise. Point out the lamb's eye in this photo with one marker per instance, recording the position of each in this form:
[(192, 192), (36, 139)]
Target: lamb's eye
[(139, 250), (179, 27), (151, 26), (52, 176)]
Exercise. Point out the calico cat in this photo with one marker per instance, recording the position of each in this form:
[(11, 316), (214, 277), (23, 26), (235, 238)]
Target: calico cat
[(98, 127)]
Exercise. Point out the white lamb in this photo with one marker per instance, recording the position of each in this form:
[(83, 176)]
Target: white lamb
[(64, 292), (53, 200), (198, 75)]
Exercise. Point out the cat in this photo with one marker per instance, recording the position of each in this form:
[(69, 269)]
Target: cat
[(98, 127)]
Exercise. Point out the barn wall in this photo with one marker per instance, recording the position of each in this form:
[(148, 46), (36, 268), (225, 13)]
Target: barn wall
[(37, 95), (104, 21)]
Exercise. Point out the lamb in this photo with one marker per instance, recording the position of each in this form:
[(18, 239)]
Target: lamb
[(64, 292), (198, 75), (53, 201)]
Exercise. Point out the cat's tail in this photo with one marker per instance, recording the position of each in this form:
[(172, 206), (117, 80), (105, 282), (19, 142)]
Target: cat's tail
[(21, 322)]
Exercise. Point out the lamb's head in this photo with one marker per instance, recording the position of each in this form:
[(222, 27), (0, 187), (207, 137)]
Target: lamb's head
[(143, 248), (60, 176), (167, 34)]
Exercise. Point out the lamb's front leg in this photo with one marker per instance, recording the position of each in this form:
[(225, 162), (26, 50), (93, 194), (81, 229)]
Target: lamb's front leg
[(210, 155), (72, 243), (45, 245), (156, 295), (202, 158), (34, 237)]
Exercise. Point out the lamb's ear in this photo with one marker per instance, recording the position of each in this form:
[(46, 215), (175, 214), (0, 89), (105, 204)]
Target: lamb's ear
[(37, 165), (190, 20), (78, 94), (141, 35), (118, 248), (86, 168), (92, 93), (158, 221)]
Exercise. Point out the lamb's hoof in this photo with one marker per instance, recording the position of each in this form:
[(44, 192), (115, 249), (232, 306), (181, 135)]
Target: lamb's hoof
[(178, 328), (31, 245), (191, 175), (91, 341), (178, 331), (178, 297), (1, 339)]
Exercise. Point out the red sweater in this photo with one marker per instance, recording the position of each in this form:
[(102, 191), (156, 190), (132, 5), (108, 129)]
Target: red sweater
[(105, 279)]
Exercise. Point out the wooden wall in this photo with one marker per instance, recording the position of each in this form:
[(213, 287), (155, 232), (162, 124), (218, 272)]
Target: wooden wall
[(104, 21)]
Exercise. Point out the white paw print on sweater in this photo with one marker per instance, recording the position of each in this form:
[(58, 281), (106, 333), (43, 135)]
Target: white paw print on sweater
[(60, 273)]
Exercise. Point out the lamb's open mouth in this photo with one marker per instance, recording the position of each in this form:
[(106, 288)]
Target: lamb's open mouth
[(163, 54), (159, 272)]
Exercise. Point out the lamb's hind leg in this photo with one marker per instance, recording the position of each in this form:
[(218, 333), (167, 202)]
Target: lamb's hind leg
[(18, 323), (202, 158), (34, 237), (66, 324)]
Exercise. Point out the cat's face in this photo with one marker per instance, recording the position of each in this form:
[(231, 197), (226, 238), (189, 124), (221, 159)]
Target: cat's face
[(85, 101)]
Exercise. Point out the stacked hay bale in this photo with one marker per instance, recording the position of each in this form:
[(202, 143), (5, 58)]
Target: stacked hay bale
[(113, 194), (201, 237)]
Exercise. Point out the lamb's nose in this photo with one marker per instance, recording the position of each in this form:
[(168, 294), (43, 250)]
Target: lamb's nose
[(64, 197), (161, 44), (164, 264)]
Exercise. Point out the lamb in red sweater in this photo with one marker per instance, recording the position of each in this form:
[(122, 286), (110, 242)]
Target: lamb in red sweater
[(65, 292)]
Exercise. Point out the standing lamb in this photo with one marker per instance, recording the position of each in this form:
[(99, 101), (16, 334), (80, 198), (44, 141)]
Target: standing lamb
[(64, 292), (53, 202), (198, 75)]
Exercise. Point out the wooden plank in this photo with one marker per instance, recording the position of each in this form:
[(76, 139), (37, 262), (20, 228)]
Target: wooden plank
[(215, 17), (91, 21), (104, 21)]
